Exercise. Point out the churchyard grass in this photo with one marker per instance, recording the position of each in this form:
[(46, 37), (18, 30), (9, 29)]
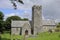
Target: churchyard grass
[(41, 36), (10, 37), (46, 36), (5, 36)]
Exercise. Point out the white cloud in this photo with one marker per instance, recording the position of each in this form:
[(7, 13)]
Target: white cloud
[(43, 18), (10, 14), (27, 4), (5, 4), (25, 14), (57, 20), (51, 8)]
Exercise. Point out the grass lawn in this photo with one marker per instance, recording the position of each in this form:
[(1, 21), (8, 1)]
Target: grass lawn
[(41, 36), (5, 36), (47, 36)]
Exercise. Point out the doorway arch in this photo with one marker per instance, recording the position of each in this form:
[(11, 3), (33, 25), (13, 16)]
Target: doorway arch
[(26, 32)]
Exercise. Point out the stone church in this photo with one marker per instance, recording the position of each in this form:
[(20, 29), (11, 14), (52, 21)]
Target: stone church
[(36, 25)]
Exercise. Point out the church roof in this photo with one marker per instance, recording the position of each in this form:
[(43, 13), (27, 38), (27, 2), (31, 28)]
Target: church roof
[(48, 22), (19, 23)]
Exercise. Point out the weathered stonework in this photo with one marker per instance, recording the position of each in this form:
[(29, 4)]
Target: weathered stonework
[(19, 27), (35, 26), (36, 18)]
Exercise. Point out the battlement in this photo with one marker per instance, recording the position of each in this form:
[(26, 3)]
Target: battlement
[(37, 7)]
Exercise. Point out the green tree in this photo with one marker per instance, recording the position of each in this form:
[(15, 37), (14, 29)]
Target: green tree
[(8, 21), (58, 25), (1, 22), (25, 19), (13, 18), (1, 15), (1, 26)]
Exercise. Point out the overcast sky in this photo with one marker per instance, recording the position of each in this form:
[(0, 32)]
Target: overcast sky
[(50, 8)]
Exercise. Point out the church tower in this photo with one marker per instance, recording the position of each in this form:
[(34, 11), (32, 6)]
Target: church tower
[(36, 19)]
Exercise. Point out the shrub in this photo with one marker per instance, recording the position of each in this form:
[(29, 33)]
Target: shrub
[(57, 30)]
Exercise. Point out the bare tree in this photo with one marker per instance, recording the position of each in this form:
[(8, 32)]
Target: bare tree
[(14, 4)]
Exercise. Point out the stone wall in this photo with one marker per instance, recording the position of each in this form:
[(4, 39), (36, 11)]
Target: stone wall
[(15, 31), (27, 27), (48, 27)]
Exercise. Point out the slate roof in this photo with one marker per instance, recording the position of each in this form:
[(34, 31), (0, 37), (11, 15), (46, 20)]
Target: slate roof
[(48, 22), (19, 23)]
